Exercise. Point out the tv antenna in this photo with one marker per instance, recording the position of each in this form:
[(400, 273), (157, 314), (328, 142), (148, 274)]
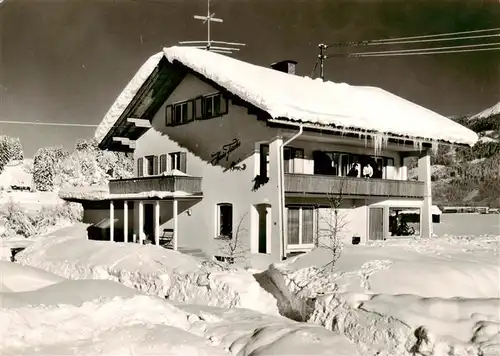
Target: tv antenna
[(220, 46)]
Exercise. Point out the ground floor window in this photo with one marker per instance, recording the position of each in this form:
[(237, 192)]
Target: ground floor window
[(301, 225), (225, 220), (404, 221)]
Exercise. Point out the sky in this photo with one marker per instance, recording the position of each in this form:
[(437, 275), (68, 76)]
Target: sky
[(67, 60)]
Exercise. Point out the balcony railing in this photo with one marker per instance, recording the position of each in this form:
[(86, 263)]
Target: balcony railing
[(190, 185), (323, 184)]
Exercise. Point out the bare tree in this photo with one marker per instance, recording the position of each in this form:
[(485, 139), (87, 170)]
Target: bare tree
[(233, 249), (335, 222)]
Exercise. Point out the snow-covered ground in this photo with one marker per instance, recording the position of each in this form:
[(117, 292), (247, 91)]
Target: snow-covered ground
[(151, 269), (440, 296), (468, 225), (102, 317)]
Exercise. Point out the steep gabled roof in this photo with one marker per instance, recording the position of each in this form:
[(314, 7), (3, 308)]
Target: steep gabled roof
[(301, 99)]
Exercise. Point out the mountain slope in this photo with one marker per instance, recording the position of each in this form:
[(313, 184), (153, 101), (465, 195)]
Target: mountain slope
[(471, 176)]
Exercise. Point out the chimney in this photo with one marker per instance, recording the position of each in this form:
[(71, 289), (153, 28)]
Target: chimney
[(287, 66)]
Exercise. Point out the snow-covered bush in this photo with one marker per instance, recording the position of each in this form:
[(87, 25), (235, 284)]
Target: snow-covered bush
[(19, 221), (44, 167)]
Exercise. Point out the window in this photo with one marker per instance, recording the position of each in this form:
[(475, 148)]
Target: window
[(178, 161), (343, 164), (200, 108), (301, 225), (225, 220), (264, 160), (289, 154), (213, 106), (179, 113), (326, 163)]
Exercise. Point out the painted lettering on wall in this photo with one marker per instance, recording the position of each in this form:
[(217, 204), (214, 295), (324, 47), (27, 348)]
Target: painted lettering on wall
[(236, 166), (225, 152)]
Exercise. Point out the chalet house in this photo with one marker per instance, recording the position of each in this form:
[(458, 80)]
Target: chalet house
[(225, 149)]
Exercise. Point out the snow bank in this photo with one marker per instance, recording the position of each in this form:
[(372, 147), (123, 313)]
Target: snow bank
[(245, 332), (140, 325), (17, 278), (436, 296), (84, 193), (150, 269)]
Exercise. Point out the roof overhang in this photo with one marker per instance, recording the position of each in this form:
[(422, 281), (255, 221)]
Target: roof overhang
[(136, 119)]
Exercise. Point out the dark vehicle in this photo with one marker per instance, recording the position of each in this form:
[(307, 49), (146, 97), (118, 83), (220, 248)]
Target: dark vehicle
[(101, 231)]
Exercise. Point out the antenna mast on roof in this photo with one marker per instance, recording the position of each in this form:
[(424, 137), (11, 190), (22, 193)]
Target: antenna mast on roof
[(208, 44)]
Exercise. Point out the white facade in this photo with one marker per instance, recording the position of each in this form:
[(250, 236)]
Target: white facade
[(255, 211)]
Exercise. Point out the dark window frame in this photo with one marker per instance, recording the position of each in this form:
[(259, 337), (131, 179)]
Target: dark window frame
[(225, 227)]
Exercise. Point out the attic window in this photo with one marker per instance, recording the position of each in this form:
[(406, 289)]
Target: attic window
[(179, 113), (199, 108), (214, 106)]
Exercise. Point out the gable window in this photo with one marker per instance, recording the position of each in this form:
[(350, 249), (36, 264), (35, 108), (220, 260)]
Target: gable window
[(179, 113), (225, 220), (178, 161), (301, 225), (214, 106)]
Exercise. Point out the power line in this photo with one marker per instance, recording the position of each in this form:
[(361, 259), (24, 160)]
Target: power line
[(382, 54), (44, 123), (426, 49), (427, 40), (352, 43)]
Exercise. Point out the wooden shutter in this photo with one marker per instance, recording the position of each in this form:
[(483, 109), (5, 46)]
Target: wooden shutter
[(155, 165), (190, 111), (168, 115), (183, 162), (223, 105), (163, 163), (140, 167), (198, 108)]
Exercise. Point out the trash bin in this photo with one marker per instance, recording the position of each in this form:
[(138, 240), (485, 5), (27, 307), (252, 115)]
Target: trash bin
[(356, 239)]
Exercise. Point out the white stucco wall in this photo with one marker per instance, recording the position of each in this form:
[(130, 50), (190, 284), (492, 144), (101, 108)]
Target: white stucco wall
[(205, 138)]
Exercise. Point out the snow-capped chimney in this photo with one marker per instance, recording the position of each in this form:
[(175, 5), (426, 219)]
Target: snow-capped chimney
[(287, 66)]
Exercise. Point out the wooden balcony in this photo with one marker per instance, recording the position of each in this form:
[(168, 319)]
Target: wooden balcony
[(186, 184), (298, 184)]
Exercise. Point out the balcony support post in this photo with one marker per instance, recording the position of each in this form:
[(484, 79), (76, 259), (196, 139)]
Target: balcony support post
[(141, 221), (111, 221), (424, 175), (125, 221), (175, 213), (157, 222)]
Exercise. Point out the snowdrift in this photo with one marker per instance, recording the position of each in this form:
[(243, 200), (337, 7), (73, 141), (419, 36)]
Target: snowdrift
[(150, 269), (429, 297), (102, 317)]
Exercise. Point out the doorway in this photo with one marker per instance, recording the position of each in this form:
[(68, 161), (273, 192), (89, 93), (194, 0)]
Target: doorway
[(149, 221), (376, 224), (264, 230)]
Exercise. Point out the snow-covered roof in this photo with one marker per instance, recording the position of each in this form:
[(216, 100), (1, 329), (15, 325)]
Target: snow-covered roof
[(302, 99)]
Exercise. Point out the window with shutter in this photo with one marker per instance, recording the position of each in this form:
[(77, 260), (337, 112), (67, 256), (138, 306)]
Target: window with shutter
[(163, 163), (223, 105), (140, 167), (149, 165), (190, 111)]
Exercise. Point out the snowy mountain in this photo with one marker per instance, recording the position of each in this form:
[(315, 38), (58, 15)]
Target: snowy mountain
[(471, 176)]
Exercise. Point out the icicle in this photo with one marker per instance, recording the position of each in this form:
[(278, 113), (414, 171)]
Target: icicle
[(435, 147), (417, 144)]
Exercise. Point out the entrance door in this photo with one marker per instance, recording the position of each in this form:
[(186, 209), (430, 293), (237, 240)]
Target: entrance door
[(149, 223), (264, 213), (376, 224)]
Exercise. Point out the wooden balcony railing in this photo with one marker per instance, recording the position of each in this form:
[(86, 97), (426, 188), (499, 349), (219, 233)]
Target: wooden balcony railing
[(323, 184), (190, 185)]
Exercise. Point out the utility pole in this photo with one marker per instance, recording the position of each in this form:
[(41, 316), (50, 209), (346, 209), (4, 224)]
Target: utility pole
[(322, 56), (208, 44)]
